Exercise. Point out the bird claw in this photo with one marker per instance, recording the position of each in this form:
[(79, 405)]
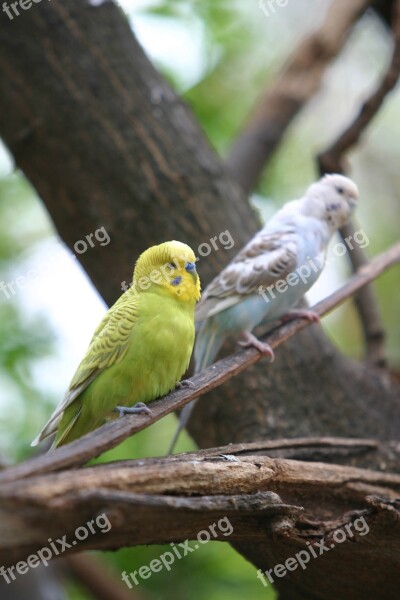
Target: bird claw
[(138, 409), (184, 384), (310, 315), (251, 340)]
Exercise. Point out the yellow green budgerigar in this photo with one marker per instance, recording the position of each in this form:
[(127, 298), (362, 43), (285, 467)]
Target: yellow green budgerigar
[(141, 348)]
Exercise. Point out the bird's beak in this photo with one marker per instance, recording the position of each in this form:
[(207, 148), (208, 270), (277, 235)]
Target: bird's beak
[(352, 198), (190, 267), (353, 201)]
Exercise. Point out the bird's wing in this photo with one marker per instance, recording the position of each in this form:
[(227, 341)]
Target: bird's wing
[(268, 258), (108, 346), (110, 341)]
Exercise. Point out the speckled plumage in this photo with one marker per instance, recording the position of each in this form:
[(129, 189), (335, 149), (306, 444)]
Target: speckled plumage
[(141, 348), (232, 303)]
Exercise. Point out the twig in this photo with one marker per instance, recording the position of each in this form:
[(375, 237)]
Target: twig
[(367, 307), (300, 79), (332, 161), (113, 433), (97, 578), (291, 448)]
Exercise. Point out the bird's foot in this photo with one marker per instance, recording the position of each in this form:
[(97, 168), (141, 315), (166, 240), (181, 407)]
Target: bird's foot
[(184, 384), (251, 340), (310, 315), (138, 409)]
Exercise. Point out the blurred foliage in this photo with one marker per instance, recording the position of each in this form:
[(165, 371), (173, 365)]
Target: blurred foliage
[(25, 341), (239, 52)]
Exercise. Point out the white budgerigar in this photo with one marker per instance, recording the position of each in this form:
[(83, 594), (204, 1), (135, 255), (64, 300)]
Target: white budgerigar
[(269, 277)]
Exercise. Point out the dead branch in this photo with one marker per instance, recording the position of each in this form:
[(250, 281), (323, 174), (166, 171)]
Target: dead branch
[(172, 499), (332, 161), (367, 308), (113, 433), (384, 456), (96, 576), (298, 82)]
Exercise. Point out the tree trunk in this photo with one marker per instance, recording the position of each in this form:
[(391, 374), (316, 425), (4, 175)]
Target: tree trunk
[(107, 143)]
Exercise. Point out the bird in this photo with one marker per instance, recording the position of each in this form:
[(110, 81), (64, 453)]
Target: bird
[(266, 279), (139, 351)]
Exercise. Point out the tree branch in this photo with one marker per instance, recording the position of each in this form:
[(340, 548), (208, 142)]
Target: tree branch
[(172, 499), (106, 142), (128, 146), (96, 576), (332, 161), (113, 433), (300, 79), (82, 78), (367, 307)]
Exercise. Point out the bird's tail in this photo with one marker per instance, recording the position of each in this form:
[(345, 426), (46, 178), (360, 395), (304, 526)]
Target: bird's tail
[(209, 341)]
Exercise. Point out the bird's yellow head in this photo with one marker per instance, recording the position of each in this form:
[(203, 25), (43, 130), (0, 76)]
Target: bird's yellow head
[(172, 266)]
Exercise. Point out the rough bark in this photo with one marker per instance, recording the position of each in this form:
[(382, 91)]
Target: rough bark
[(112, 434), (276, 507), (299, 81), (91, 117), (107, 143)]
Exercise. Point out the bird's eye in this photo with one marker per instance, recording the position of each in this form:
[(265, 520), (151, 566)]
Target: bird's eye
[(172, 265), (340, 190)]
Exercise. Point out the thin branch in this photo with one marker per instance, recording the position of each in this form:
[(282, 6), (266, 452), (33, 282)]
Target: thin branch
[(298, 82), (110, 435), (332, 160), (96, 576), (364, 453), (367, 307), (293, 444)]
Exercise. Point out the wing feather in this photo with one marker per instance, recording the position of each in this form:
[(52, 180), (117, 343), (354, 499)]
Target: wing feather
[(108, 346), (267, 258)]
